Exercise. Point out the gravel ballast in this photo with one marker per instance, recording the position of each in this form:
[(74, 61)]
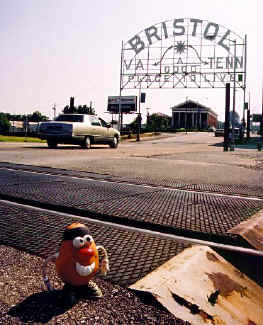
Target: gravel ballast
[(24, 300)]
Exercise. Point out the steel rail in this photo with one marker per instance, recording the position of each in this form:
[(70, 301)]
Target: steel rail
[(177, 238), (234, 196)]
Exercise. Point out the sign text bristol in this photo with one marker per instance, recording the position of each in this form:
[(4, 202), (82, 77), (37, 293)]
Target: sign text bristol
[(183, 53)]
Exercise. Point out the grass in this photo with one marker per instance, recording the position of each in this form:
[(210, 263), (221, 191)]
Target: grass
[(142, 135), (10, 138)]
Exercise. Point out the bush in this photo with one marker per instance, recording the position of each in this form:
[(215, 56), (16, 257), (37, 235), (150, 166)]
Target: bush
[(172, 130), (181, 130), (4, 123)]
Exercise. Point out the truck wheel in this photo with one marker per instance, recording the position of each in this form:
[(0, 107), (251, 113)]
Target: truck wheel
[(114, 143), (86, 143), (52, 144)]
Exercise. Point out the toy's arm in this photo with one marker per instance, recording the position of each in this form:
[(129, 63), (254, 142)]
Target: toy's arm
[(51, 258), (105, 260)]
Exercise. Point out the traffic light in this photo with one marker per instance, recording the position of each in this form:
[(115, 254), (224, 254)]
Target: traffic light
[(143, 95)]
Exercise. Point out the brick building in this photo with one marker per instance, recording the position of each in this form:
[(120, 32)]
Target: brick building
[(192, 115)]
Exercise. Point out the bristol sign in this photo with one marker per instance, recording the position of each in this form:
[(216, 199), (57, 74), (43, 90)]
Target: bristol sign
[(184, 53)]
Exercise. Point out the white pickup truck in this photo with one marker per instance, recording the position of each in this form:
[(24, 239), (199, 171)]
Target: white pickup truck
[(80, 129)]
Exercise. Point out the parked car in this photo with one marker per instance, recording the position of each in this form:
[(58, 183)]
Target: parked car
[(211, 129), (220, 133), (80, 129)]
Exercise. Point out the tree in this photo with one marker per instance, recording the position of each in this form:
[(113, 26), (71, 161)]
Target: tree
[(158, 122), (87, 110), (69, 110), (4, 123), (133, 126), (37, 117), (81, 109), (16, 117)]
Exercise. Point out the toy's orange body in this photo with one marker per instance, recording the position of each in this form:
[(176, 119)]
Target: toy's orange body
[(77, 265)]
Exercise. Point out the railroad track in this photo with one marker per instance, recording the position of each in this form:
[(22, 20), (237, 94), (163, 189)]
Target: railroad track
[(142, 225)]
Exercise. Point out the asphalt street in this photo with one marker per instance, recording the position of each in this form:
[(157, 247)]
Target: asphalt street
[(196, 158)]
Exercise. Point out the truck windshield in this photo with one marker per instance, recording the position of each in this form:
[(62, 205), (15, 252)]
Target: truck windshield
[(70, 118)]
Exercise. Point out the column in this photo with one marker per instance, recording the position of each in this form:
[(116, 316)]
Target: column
[(179, 121)]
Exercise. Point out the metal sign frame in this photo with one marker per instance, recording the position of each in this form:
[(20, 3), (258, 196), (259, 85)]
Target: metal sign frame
[(184, 53)]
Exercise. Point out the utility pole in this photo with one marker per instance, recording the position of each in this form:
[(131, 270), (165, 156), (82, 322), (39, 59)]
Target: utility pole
[(90, 107), (244, 88), (248, 118), (261, 122), (120, 107), (54, 109)]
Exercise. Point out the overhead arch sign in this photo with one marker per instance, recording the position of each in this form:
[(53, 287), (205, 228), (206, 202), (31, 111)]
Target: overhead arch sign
[(184, 53)]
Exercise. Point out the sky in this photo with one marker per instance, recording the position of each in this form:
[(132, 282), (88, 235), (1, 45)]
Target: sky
[(52, 50)]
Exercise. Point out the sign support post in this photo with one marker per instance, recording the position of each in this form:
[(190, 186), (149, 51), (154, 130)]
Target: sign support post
[(245, 82), (226, 130), (139, 117), (120, 108)]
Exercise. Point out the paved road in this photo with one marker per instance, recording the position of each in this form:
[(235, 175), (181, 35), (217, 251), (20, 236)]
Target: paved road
[(196, 158)]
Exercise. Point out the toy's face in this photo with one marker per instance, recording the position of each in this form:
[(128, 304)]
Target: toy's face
[(78, 259)]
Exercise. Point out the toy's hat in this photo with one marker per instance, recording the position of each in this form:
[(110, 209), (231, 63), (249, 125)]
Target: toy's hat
[(74, 230)]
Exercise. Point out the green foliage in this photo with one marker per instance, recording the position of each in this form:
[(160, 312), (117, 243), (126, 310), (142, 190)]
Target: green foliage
[(180, 130), (37, 117), (34, 117), (15, 117), (133, 126), (4, 123), (157, 122), (69, 110), (86, 110), (81, 109), (4, 138)]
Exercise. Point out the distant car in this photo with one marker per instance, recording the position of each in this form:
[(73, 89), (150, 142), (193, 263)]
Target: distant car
[(219, 132), (126, 130), (211, 129), (80, 129)]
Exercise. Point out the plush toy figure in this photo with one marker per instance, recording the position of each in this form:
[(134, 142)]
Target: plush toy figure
[(77, 261)]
